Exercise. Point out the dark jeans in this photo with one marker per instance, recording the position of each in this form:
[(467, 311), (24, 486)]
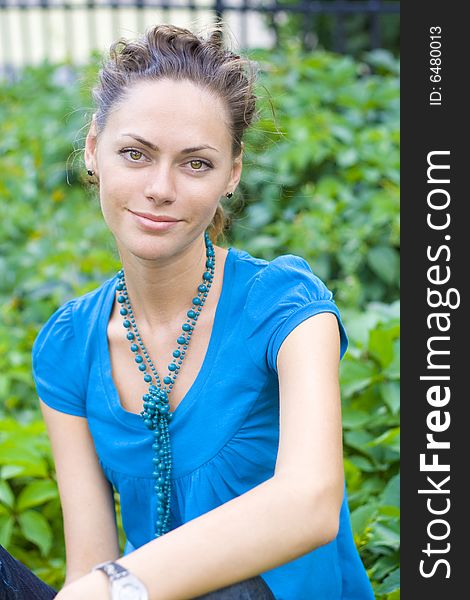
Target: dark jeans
[(17, 582)]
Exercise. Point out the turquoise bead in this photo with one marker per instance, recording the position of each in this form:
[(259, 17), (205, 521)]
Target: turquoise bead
[(156, 414)]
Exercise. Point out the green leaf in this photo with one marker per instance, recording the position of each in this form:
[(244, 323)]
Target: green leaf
[(393, 369), (358, 325), (32, 463), (381, 344), (391, 493), (384, 535), (385, 263), (36, 529), (354, 418), (11, 471), (390, 512), (363, 463), (36, 493), (361, 517), (390, 584), (6, 495), (355, 376), (6, 529), (390, 438), (390, 391), (4, 386), (384, 565)]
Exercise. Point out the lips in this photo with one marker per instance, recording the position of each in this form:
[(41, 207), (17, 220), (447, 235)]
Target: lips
[(156, 218)]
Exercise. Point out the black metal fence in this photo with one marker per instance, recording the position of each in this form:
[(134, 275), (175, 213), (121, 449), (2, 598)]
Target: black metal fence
[(33, 30)]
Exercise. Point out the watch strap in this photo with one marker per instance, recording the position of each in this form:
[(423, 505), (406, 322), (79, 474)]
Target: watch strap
[(121, 581), (112, 569)]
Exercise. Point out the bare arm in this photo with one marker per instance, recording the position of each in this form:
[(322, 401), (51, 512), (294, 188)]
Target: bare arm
[(87, 498), (287, 516)]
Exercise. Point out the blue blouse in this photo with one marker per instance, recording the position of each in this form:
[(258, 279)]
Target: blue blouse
[(225, 431)]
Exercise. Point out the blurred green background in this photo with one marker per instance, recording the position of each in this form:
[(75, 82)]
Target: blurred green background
[(321, 180)]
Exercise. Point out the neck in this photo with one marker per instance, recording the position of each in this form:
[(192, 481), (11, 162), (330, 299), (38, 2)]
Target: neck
[(160, 292)]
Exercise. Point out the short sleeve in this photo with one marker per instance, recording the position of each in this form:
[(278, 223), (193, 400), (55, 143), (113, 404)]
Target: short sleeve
[(284, 293), (56, 361)]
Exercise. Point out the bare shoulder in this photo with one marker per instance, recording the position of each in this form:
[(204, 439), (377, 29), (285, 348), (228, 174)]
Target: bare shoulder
[(315, 340)]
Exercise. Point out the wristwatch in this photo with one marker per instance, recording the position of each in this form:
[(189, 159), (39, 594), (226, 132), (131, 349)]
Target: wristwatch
[(123, 585)]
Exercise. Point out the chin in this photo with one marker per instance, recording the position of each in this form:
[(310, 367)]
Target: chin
[(151, 247)]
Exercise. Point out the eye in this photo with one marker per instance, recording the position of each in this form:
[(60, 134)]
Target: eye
[(197, 164), (133, 153)]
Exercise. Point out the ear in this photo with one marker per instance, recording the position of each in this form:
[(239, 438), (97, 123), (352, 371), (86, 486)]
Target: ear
[(90, 147), (236, 172)]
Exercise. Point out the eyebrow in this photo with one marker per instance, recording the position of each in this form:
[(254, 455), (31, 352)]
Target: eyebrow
[(155, 148)]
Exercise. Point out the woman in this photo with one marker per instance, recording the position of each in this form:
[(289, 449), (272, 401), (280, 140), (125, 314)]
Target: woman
[(200, 382)]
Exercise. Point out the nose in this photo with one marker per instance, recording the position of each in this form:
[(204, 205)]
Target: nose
[(160, 185)]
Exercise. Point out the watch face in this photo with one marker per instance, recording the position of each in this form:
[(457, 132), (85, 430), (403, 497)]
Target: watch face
[(126, 589)]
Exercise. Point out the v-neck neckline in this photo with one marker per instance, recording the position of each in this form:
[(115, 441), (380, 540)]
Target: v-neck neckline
[(132, 419)]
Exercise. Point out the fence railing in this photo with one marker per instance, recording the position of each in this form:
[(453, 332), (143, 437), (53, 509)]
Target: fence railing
[(34, 30)]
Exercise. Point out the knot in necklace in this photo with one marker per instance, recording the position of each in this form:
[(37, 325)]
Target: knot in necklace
[(156, 412)]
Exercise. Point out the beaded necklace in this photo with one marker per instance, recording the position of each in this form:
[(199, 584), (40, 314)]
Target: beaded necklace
[(156, 408)]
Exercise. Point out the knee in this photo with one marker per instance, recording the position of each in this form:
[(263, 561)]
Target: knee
[(250, 589), (6, 576)]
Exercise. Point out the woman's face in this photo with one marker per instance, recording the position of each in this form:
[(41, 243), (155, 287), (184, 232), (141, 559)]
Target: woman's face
[(165, 152)]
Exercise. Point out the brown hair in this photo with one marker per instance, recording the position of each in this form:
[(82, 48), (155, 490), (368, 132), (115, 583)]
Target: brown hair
[(167, 51)]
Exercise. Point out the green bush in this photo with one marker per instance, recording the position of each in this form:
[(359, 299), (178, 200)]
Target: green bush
[(371, 405), (320, 181), (324, 185), (30, 516)]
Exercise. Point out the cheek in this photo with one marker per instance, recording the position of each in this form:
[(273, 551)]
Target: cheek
[(112, 201), (203, 203)]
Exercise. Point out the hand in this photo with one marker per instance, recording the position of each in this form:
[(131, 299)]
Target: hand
[(93, 585)]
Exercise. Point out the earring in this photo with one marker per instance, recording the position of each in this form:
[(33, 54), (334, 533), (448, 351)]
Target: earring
[(90, 172), (228, 195)]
